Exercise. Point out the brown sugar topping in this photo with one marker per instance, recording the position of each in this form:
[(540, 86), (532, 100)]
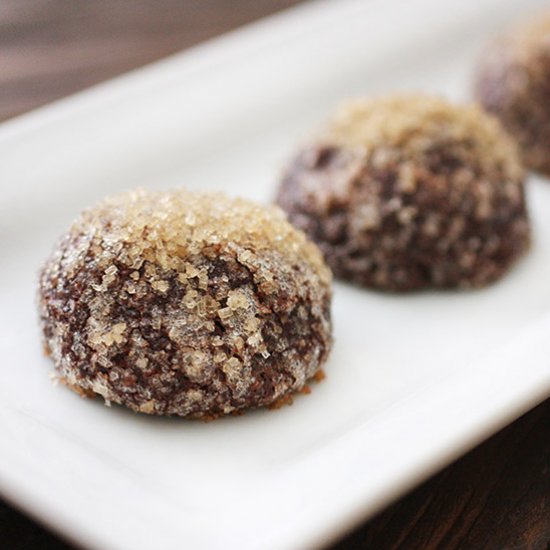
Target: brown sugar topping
[(413, 123), (167, 227)]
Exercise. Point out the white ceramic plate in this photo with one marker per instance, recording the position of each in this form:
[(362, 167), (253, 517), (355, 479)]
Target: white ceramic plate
[(413, 380)]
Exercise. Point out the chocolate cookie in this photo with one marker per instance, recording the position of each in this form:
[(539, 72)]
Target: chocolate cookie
[(181, 303), (513, 82), (409, 192)]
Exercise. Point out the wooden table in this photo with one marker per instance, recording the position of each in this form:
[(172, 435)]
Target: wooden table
[(495, 497)]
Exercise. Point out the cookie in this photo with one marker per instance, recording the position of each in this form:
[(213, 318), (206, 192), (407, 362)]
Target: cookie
[(189, 304), (410, 192)]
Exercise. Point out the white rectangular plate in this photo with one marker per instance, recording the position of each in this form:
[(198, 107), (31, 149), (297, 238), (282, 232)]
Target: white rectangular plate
[(413, 380)]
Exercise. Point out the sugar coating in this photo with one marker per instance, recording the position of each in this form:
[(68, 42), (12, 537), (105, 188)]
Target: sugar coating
[(513, 83), (182, 303), (414, 123), (408, 192)]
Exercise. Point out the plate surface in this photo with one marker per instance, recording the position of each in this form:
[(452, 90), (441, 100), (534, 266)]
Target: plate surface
[(413, 380)]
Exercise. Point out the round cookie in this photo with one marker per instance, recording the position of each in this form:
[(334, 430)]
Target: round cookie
[(181, 303), (513, 83), (409, 192)]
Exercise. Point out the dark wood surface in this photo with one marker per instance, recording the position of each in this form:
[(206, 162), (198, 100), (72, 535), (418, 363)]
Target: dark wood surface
[(495, 497)]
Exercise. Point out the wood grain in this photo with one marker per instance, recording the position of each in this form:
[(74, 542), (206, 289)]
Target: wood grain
[(52, 48), (496, 497)]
